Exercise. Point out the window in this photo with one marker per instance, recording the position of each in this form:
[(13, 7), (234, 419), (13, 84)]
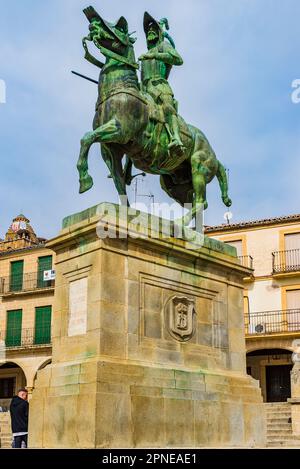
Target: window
[(42, 325), (292, 251), (16, 275), (44, 263), (293, 309), (292, 241), (238, 245), (13, 328), (7, 387)]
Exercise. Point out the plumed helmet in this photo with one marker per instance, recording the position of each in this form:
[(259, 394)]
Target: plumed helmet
[(149, 22)]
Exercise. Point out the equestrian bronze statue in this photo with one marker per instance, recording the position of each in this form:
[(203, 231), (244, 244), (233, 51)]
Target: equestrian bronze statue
[(137, 123)]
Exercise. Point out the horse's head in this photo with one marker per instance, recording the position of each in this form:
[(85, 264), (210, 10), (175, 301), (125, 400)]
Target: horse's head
[(108, 36)]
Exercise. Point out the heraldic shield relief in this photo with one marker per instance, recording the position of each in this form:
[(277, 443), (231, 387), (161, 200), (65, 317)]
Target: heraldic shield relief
[(180, 317)]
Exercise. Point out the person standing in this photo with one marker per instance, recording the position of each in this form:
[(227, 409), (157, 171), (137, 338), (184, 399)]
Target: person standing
[(19, 418)]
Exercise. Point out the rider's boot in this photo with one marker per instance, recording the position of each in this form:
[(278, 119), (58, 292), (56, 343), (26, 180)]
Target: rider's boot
[(176, 144)]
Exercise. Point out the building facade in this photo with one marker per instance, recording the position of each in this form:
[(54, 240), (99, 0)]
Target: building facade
[(26, 298), (271, 248)]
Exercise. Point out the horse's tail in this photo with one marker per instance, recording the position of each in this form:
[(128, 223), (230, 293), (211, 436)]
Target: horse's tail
[(223, 182)]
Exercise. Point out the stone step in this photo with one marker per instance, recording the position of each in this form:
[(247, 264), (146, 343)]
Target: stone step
[(279, 420), (276, 403), (280, 438), (279, 435), (273, 410), (280, 414), (278, 423), (283, 445), (284, 441), (283, 405), (277, 407), (283, 409), (283, 433), (279, 427), (275, 431)]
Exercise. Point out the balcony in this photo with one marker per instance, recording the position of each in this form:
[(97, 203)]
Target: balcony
[(286, 261), (25, 338), (272, 322), (246, 261), (26, 283)]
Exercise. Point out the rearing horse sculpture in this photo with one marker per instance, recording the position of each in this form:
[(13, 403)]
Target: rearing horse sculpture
[(129, 122)]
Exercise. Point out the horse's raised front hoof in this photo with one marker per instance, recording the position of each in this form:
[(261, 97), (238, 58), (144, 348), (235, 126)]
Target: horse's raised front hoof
[(85, 184), (227, 201)]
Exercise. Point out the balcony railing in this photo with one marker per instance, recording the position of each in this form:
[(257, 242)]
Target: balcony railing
[(286, 261), (270, 322), (27, 282), (24, 338), (246, 261)]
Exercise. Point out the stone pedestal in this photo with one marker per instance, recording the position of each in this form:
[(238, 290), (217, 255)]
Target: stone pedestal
[(148, 343), (295, 399)]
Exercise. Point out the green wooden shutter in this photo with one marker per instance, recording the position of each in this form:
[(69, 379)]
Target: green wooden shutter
[(44, 263), (16, 275), (14, 328), (42, 325)]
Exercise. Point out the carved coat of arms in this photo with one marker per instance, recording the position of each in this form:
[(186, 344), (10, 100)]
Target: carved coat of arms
[(180, 317)]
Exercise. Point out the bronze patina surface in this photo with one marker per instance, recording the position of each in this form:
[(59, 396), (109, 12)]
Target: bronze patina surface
[(139, 120)]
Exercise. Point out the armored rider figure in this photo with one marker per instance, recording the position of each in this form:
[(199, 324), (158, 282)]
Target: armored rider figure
[(156, 67)]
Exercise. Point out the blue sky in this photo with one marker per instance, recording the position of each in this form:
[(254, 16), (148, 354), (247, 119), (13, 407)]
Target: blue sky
[(240, 56)]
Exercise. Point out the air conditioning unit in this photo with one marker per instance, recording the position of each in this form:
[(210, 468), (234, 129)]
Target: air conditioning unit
[(260, 328), (257, 328)]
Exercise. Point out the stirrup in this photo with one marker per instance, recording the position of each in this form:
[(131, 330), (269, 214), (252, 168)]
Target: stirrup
[(176, 146)]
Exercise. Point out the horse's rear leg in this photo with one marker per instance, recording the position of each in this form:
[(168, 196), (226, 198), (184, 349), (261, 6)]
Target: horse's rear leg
[(223, 183), (198, 178), (105, 133), (199, 187), (113, 159)]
